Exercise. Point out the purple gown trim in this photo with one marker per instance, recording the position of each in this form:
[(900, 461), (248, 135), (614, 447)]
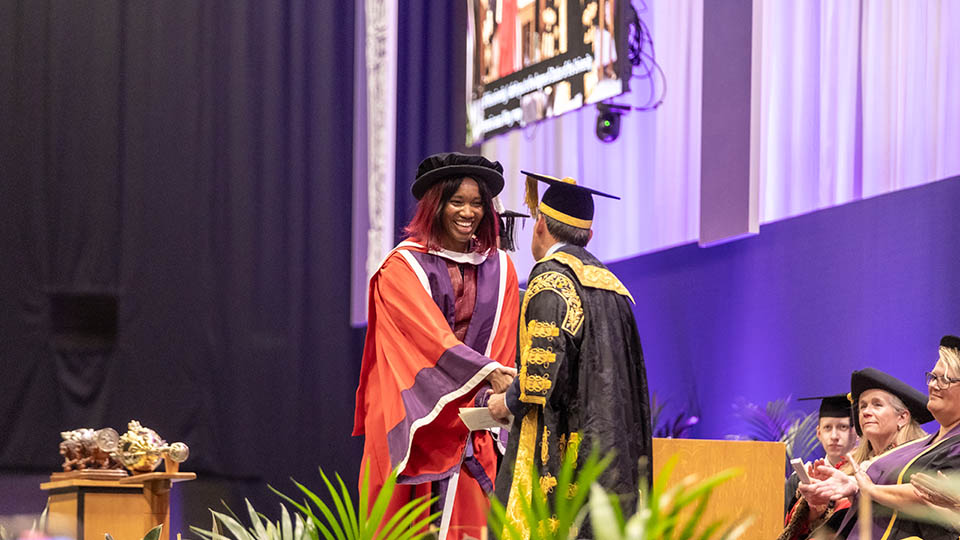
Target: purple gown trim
[(886, 469), (458, 364)]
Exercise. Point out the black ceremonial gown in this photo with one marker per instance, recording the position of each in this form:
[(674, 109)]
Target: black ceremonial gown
[(581, 382)]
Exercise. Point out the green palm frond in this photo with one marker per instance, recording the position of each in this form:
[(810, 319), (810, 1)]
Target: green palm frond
[(345, 520), (154, 533), (336, 518), (665, 513), (261, 528), (552, 518), (801, 437)]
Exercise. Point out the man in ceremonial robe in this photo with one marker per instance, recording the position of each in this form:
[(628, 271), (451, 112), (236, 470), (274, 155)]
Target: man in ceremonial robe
[(442, 312), (581, 382)]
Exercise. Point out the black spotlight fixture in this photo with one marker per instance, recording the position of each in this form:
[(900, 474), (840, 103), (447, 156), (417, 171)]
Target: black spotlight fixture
[(608, 120)]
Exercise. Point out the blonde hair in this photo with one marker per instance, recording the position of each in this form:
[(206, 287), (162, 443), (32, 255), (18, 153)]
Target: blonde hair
[(951, 358), (909, 432)]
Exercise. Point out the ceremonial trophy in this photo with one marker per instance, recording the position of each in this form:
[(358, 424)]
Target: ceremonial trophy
[(109, 483)]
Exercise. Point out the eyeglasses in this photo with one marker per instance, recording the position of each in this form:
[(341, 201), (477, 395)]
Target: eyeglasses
[(942, 381)]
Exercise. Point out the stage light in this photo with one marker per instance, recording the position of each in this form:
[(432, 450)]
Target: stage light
[(608, 120)]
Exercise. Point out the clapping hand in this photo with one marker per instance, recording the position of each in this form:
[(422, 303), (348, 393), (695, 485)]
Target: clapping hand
[(829, 484), (813, 470), (936, 491)]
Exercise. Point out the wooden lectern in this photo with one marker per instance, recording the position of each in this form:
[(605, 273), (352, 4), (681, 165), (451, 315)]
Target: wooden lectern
[(757, 492), (85, 505)]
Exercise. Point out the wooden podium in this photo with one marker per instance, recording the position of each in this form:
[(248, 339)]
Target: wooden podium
[(757, 492), (85, 505)]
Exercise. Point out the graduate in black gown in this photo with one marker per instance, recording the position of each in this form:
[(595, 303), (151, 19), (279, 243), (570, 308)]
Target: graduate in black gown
[(581, 382)]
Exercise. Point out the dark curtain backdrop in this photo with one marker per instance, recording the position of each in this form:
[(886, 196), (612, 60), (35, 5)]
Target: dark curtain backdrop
[(187, 159), (431, 82)]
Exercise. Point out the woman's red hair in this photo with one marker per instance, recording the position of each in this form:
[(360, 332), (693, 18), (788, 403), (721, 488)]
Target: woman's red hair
[(427, 227)]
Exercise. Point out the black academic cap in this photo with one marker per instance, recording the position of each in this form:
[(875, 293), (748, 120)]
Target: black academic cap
[(951, 342), (836, 406), (564, 200), (508, 219), (454, 164), (869, 379)]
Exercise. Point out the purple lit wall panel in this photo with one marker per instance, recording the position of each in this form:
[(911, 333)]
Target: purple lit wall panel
[(797, 308)]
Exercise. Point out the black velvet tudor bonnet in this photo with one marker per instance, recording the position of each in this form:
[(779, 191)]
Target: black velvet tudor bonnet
[(869, 378), (439, 167)]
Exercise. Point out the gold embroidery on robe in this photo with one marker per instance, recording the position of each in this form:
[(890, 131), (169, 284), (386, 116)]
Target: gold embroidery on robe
[(560, 284), (573, 318), (549, 525), (521, 486), (536, 384), (547, 483), (540, 357), (591, 276), (545, 446), (542, 329), (573, 446)]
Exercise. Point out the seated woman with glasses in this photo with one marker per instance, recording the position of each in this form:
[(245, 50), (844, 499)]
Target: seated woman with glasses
[(887, 413), (886, 480)]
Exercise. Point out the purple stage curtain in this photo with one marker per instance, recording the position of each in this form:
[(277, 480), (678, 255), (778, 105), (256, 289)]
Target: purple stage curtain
[(856, 100), (654, 165)]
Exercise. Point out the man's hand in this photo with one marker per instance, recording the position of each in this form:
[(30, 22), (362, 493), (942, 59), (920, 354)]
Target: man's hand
[(498, 408), (501, 378)]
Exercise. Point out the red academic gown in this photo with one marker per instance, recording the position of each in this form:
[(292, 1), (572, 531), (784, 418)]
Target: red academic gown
[(417, 374)]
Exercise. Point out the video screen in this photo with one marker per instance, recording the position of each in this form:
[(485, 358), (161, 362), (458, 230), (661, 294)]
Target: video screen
[(533, 59)]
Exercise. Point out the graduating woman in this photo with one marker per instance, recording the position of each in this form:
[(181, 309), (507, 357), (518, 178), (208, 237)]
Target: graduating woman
[(442, 323)]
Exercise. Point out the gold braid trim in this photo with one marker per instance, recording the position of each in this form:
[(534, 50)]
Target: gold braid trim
[(573, 446), (540, 357), (558, 283), (547, 483), (545, 446), (548, 526), (521, 486), (542, 329), (590, 276), (536, 384), (572, 320)]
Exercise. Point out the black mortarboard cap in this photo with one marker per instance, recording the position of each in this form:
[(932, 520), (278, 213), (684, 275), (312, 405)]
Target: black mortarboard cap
[(508, 237), (454, 164), (563, 200), (870, 378), (836, 406), (951, 342)]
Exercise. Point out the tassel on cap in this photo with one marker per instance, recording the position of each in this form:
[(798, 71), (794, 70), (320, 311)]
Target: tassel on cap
[(532, 197)]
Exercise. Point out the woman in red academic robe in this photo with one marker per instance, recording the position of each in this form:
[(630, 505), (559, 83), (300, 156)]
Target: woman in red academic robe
[(441, 334)]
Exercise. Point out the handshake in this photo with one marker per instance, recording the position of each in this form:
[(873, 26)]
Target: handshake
[(500, 380)]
